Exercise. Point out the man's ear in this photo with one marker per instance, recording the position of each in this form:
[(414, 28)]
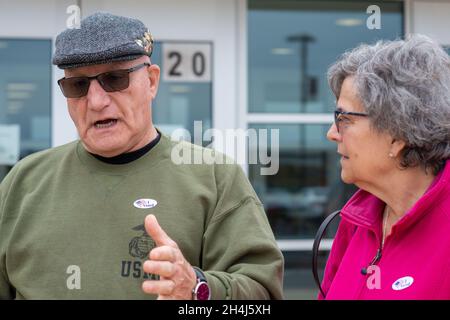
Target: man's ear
[(397, 146), (154, 74)]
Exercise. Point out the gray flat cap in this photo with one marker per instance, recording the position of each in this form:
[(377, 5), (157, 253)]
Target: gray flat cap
[(102, 38)]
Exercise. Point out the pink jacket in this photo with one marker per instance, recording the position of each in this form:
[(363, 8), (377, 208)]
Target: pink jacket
[(415, 262)]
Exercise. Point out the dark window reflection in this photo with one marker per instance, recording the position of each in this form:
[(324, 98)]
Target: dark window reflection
[(25, 97), (298, 280), (307, 186), (179, 104), (291, 44)]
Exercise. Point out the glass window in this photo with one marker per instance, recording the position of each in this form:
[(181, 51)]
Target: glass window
[(307, 186), (291, 44), (298, 280), (297, 199), (447, 49), (25, 99), (179, 104)]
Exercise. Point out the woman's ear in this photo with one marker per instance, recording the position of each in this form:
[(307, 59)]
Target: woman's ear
[(397, 146)]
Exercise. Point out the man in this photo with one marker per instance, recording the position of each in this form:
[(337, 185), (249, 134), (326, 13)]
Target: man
[(111, 216)]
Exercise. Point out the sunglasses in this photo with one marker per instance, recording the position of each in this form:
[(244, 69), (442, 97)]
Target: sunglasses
[(338, 116), (77, 87)]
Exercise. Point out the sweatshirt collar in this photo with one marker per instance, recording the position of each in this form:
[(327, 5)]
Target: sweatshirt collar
[(128, 157), (157, 153), (364, 209)]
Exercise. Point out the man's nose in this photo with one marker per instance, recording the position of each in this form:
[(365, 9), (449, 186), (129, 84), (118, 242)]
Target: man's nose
[(333, 134), (97, 97)]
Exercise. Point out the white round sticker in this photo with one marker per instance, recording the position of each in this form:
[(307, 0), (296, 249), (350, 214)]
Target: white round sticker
[(145, 203), (402, 283)]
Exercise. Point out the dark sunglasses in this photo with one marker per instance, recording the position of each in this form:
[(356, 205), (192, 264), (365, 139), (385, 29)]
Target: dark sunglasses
[(77, 87), (339, 113)]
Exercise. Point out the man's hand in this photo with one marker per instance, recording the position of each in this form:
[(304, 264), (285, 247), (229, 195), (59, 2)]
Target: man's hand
[(177, 277)]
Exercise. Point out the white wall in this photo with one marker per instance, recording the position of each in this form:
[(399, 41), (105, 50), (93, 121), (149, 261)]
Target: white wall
[(430, 17)]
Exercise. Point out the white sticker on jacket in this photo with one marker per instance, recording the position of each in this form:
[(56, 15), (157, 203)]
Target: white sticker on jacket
[(145, 203), (402, 283)]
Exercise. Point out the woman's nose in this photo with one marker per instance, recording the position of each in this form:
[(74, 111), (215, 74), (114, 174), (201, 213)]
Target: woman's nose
[(333, 134)]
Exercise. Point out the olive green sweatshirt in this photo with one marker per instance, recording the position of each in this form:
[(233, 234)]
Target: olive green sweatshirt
[(71, 226)]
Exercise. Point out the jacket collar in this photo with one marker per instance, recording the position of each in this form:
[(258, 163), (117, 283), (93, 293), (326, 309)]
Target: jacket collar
[(364, 209)]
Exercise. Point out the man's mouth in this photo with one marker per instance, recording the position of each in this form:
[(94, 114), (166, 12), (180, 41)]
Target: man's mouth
[(101, 124), (343, 157)]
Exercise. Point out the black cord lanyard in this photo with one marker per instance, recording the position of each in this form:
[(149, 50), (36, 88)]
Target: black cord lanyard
[(323, 227), (316, 245)]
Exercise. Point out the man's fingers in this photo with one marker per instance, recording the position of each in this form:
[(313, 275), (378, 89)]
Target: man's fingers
[(164, 253), (162, 268), (157, 233), (160, 287)]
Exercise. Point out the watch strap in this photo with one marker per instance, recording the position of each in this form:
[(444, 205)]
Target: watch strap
[(201, 291), (200, 275)]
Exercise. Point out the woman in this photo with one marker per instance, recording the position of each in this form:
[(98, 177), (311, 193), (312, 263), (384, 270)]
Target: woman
[(392, 130)]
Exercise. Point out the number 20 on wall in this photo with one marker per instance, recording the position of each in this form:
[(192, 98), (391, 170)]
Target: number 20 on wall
[(186, 62)]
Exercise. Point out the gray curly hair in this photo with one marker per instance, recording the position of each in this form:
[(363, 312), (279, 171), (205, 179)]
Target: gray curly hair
[(404, 86)]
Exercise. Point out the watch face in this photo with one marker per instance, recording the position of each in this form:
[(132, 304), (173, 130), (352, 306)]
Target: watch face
[(202, 291)]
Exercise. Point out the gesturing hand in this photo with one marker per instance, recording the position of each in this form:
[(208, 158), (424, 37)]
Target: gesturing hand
[(177, 277)]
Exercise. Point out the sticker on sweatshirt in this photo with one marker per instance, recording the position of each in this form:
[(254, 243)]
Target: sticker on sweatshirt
[(145, 203), (402, 283)]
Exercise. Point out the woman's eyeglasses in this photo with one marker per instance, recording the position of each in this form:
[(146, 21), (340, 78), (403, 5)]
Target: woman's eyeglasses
[(77, 87), (338, 116)]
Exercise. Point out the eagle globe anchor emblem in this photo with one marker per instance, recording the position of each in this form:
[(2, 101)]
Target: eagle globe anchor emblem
[(140, 246)]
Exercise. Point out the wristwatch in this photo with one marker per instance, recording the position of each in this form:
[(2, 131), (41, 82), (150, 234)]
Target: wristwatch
[(201, 290)]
